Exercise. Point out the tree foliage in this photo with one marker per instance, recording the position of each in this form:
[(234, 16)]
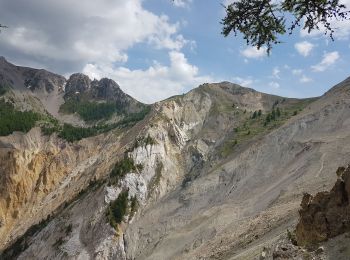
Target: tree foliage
[(118, 209), (13, 120), (262, 21), (89, 111)]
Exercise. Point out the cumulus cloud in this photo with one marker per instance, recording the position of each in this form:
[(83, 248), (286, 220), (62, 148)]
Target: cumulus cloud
[(95, 37), (328, 59), (71, 32), (254, 53), (274, 84), (156, 82), (276, 73), (304, 48), (182, 3), (245, 82), (305, 79), (297, 71)]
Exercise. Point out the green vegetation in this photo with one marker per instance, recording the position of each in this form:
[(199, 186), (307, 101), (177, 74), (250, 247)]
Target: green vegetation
[(156, 178), (123, 167), (49, 125), (272, 116), (118, 209), (144, 141), (134, 205), (13, 120), (72, 133), (89, 111), (22, 243), (121, 207), (292, 237), (3, 89), (259, 124), (256, 114), (262, 23), (94, 111)]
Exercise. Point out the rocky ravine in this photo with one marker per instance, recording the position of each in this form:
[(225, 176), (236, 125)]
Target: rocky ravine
[(194, 203)]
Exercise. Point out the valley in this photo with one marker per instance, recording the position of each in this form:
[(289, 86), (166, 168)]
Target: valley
[(216, 173)]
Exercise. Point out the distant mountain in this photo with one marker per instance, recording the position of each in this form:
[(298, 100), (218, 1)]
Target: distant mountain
[(77, 101)]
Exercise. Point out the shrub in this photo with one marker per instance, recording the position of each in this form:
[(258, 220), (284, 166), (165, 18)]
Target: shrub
[(278, 112), (118, 209), (292, 237), (156, 178), (123, 167), (3, 89), (134, 204), (255, 114), (144, 141), (69, 229)]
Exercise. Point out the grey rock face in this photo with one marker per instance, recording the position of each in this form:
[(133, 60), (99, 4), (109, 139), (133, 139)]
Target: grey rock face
[(42, 80), (77, 83)]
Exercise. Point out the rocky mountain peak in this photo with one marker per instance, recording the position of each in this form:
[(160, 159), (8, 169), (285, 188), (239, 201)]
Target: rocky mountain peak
[(23, 78), (42, 80), (77, 83), (104, 89)]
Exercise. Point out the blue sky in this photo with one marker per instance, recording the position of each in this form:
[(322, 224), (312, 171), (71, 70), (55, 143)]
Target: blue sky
[(158, 48)]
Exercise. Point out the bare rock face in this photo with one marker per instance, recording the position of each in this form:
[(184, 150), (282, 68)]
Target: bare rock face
[(77, 83), (42, 80), (79, 86), (325, 215)]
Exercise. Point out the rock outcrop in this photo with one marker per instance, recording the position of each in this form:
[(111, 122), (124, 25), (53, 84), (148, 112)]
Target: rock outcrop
[(325, 215), (80, 86)]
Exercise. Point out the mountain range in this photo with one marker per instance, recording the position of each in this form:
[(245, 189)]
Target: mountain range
[(221, 172)]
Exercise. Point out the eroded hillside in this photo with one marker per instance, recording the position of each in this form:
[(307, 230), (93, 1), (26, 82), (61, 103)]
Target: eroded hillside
[(216, 173)]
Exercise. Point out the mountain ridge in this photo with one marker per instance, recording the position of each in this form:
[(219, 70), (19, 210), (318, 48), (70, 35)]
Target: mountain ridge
[(214, 178)]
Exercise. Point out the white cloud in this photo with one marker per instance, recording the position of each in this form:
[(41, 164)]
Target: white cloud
[(274, 85), (68, 36), (305, 79), (297, 71), (156, 82), (304, 48), (93, 32), (276, 73), (245, 82), (329, 58), (254, 53), (182, 3)]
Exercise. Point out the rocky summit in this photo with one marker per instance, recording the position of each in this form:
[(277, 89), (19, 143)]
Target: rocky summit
[(221, 172)]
